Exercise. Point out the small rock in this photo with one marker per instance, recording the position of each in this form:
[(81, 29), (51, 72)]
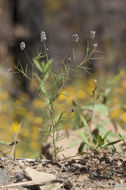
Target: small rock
[(82, 178), (68, 185), (4, 176), (35, 175)]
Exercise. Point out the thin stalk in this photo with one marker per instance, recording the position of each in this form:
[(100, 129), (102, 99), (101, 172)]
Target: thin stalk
[(46, 51), (93, 105), (88, 58), (74, 56), (30, 62), (53, 133)]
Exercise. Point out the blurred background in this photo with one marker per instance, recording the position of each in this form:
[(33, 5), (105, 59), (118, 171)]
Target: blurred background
[(22, 20)]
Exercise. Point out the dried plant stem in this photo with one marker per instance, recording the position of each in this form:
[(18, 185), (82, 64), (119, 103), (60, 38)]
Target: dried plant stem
[(93, 105), (15, 140), (53, 134), (31, 63), (45, 51)]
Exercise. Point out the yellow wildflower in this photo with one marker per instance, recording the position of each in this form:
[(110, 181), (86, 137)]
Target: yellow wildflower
[(21, 110), (38, 103), (15, 126), (81, 94), (91, 85), (116, 113), (66, 95), (4, 95), (123, 117), (123, 84), (38, 120)]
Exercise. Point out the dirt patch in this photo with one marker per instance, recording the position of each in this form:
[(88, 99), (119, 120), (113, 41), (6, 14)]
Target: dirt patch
[(103, 171)]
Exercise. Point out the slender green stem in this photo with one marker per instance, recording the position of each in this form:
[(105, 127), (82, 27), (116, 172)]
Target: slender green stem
[(74, 56), (93, 105), (30, 62), (53, 132), (45, 51)]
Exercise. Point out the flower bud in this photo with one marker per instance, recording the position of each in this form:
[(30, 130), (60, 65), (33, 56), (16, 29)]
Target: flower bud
[(43, 36), (76, 38), (22, 45), (95, 45), (93, 33)]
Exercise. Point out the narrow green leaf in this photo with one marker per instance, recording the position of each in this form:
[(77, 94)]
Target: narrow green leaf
[(107, 134), (37, 77), (88, 48), (59, 118), (37, 64), (86, 127), (81, 147), (99, 109), (100, 140), (26, 68), (42, 87), (83, 136), (73, 144), (112, 143), (8, 143), (47, 66)]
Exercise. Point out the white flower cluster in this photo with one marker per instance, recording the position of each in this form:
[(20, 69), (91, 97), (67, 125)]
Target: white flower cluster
[(22, 45), (43, 36)]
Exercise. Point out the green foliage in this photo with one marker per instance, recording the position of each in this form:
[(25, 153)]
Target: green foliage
[(50, 86), (95, 142), (98, 113), (98, 108)]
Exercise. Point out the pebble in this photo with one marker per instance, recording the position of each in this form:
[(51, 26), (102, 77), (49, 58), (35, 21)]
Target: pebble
[(4, 176)]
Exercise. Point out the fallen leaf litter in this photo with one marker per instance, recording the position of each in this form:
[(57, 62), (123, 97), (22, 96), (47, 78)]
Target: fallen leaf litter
[(103, 171)]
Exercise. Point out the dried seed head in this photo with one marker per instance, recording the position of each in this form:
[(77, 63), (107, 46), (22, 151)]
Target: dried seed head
[(95, 45), (76, 38), (43, 36), (22, 45), (69, 60), (93, 33)]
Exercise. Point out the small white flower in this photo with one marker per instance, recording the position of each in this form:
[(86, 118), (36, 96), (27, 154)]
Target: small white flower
[(95, 45), (22, 45), (10, 69), (43, 36), (69, 60), (93, 33), (76, 38)]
